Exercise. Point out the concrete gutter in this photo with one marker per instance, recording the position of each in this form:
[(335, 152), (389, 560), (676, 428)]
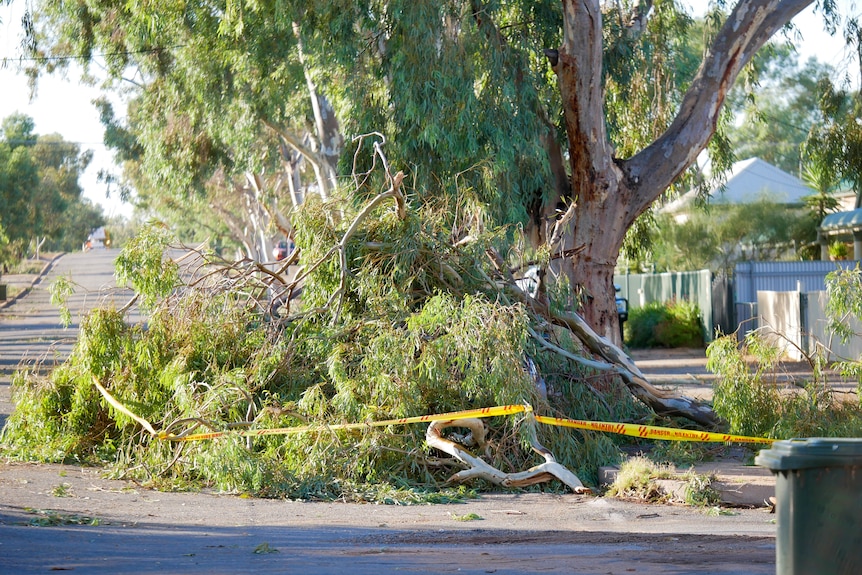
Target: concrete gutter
[(26, 281)]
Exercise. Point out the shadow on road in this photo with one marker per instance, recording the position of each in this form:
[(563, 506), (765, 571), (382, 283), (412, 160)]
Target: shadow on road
[(151, 547)]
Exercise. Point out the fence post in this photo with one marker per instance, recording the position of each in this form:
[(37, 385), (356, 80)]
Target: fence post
[(805, 328)]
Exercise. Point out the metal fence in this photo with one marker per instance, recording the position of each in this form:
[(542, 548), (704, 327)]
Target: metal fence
[(788, 298), (695, 287), (753, 277)]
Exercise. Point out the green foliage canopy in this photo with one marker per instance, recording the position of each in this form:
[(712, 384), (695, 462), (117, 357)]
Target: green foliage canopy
[(460, 89), (39, 191)]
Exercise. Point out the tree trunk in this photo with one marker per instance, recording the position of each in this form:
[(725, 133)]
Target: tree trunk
[(329, 138), (611, 193)]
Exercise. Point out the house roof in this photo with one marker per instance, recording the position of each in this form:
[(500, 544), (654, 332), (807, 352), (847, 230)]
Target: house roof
[(748, 181)]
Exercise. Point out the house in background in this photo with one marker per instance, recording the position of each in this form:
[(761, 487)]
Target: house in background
[(747, 181), (844, 227)]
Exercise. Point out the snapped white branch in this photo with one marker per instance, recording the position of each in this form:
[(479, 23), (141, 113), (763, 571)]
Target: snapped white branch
[(480, 469)]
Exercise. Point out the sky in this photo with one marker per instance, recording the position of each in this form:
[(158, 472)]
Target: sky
[(63, 105)]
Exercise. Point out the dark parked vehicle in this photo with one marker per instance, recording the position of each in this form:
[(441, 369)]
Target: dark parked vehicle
[(622, 310), (282, 250)]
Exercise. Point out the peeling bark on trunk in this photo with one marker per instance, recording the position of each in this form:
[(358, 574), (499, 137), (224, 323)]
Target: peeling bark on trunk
[(612, 193)]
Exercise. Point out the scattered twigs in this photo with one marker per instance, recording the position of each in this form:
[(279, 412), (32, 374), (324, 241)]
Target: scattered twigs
[(394, 191), (478, 468)]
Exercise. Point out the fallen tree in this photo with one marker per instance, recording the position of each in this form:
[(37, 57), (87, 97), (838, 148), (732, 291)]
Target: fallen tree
[(396, 319)]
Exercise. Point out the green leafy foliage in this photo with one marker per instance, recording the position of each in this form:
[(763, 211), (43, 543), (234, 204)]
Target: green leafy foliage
[(461, 90), (751, 399), (144, 264), (844, 288), (6, 251), (699, 491), (419, 330), (843, 310), (837, 138), (60, 290), (777, 105), (49, 518), (743, 397), (675, 323)]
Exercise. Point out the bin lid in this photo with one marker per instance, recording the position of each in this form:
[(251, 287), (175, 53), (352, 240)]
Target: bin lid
[(811, 452)]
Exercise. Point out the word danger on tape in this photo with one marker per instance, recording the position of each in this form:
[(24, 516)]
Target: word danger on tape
[(651, 431)]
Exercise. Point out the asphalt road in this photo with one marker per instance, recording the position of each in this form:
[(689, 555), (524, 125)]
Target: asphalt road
[(68, 518), (31, 333)]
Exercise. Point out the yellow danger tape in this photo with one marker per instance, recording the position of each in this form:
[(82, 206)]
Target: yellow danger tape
[(645, 431), (650, 431), (455, 415), (122, 408)]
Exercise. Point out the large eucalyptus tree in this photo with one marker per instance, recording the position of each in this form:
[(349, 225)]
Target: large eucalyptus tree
[(612, 192), (463, 91), (568, 119)]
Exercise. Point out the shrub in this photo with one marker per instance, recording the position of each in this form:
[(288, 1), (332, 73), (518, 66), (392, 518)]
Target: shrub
[(675, 323), (752, 401), (745, 395), (637, 479)]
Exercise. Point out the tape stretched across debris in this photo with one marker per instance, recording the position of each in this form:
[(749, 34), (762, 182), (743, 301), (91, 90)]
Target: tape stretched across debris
[(634, 430)]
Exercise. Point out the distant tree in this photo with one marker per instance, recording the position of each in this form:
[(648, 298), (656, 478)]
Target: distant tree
[(40, 195), (18, 130), (820, 175), (777, 106), (722, 235), (19, 182), (838, 139), (79, 219)]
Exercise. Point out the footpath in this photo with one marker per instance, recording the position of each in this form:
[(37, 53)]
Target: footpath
[(19, 285)]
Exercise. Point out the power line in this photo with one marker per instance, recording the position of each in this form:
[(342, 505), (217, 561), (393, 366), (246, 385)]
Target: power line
[(19, 142), (64, 58)]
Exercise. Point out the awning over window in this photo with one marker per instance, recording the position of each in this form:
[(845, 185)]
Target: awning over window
[(842, 222)]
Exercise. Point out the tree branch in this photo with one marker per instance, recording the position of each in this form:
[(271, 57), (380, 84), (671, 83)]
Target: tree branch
[(478, 468), (748, 28), (662, 402), (317, 163)]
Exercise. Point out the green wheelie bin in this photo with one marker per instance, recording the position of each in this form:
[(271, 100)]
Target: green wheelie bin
[(818, 492)]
